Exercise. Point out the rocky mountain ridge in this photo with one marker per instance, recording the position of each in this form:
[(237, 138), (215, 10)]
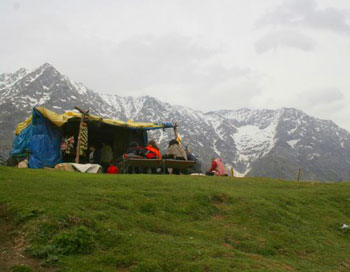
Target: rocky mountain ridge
[(271, 143)]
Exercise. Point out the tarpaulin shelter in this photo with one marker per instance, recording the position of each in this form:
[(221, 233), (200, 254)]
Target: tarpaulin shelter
[(40, 136)]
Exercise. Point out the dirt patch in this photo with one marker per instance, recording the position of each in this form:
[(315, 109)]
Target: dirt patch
[(12, 246), (218, 217), (227, 246)]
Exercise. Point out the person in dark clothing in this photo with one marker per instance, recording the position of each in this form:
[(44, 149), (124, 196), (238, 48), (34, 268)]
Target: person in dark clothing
[(134, 149), (106, 156), (95, 155), (197, 167)]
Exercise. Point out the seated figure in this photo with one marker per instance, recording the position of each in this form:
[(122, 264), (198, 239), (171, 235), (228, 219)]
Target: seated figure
[(135, 151), (197, 167), (152, 152), (176, 152), (217, 168)]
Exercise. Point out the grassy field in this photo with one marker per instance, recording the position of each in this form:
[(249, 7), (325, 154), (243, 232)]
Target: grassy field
[(60, 221)]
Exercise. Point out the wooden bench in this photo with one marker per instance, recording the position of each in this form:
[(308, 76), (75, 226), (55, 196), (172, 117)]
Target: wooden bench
[(151, 163)]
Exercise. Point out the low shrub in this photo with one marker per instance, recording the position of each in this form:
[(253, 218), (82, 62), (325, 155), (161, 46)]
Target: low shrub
[(21, 268), (75, 241)]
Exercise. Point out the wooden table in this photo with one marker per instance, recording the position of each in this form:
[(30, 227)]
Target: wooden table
[(151, 163)]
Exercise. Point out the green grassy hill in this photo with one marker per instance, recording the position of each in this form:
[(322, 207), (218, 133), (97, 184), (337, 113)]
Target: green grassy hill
[(58, 221)]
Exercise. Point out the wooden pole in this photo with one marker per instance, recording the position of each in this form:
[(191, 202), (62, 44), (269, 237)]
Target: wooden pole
[(299, 174), (232, 172), (83, 115), (175, 130)]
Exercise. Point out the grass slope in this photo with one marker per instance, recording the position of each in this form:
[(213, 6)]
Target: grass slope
[(86, 222)]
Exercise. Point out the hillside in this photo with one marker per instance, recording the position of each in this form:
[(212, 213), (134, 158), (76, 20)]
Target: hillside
[(85, 222), (273, 143)]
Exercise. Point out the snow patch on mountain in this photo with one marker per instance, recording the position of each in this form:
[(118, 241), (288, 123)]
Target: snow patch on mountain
[(293, 143), (254, 142), (79, 87), (7, 80)]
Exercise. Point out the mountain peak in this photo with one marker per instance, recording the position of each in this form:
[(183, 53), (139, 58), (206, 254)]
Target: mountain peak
[(22, 71), (47, 67)]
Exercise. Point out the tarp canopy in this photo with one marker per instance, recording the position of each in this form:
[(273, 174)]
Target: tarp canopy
[(60, 119), (40, 135)]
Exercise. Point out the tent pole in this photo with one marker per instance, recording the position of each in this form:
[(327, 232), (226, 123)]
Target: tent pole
[(83, 115), (175, 130)]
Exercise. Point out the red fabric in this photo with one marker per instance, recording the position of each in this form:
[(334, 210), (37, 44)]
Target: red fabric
[(156, 154), (213, 166), (220, 168), (112, 170)]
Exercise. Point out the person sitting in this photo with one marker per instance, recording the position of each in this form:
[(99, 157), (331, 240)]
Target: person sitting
[(217, 168), (197, 167), (106, 156), (112, 169), (152, 150), (135, 150), (95, 155), (175, 151)]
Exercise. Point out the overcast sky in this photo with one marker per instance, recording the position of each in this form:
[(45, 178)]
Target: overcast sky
[(207, 55)]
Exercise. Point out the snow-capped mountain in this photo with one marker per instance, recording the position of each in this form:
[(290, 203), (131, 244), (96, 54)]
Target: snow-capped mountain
[(271, 143)]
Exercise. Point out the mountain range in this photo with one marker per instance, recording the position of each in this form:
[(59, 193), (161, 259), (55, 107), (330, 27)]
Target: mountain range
[(273, 143)]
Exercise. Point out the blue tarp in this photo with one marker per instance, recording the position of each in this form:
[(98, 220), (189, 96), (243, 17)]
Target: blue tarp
[(21, 143), (166, 125), (45, 143)]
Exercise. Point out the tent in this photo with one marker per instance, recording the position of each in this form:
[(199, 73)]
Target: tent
[(40, 136)]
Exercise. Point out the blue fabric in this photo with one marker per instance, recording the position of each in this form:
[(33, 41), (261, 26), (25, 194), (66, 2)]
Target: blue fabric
[(166, 125), (21, 143), (45, 144)]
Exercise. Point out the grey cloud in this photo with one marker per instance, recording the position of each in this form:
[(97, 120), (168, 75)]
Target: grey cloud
[(175, 64), (323, 96), (169, 59), (307, 13), (323, 101), (148, 61), (277, 39)]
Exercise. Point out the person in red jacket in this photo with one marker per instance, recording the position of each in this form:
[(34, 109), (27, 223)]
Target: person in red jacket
[(112, 169), (217, 168), (153, 151)]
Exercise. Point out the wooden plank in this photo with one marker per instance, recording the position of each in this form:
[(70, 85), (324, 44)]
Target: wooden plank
[(178, 164), (143, 163), (150, 163)]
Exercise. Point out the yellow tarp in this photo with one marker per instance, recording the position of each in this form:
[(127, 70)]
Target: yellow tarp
[(60, 119)]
